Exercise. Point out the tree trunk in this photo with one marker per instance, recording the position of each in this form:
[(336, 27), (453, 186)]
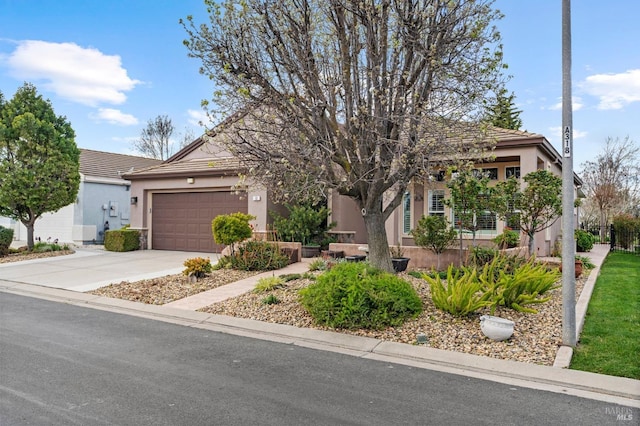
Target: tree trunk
[(29, 226), (378, 244), (531, 243), (603, 226)]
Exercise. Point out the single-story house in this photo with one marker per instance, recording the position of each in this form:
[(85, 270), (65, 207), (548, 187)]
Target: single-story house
[(174, 203), (102, 202)]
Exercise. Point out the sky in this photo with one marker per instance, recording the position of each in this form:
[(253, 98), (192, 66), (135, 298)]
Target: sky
[(110, 66)]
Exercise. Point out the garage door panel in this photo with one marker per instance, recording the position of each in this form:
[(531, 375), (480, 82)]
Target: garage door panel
[(182, 221)]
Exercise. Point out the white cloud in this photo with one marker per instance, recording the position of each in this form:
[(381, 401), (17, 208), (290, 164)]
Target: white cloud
[(614, 90), (114, 116), (556, 133), (83, 75), (198, 117), (576, 104)]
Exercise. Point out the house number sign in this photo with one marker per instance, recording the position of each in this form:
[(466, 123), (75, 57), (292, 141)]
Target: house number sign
[(566, 142)]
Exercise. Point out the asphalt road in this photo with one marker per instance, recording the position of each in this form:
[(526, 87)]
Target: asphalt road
[(69, 365)]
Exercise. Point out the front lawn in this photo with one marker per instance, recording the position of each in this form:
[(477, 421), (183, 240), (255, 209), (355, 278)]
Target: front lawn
[(610, 341)]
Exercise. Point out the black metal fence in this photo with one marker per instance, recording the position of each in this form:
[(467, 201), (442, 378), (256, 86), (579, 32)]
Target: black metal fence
[(625, 239)]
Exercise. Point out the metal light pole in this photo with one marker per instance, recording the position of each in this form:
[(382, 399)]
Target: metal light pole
[(568, 224)]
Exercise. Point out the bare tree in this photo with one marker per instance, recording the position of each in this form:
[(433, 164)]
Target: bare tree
[(357, 97), (612, 180), (155, 139)]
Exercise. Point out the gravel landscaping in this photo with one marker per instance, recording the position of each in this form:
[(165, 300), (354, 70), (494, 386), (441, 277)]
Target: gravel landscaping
[(19, 257), (158, 291), (535, 340)]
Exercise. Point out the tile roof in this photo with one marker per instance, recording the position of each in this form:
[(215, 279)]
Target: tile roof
[(188, 167), (111, 165)]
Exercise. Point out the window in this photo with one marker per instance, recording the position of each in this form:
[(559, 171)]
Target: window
[(512, 172), (491, 173), (485, 221), (406, 213), (436, 202)]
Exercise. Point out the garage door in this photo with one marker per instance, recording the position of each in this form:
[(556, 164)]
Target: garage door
[(182, 221)]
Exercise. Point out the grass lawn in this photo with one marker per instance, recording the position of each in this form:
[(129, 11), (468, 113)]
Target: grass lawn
[(610, 340)]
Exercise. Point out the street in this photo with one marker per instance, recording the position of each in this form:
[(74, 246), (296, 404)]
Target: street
[(69, 365)]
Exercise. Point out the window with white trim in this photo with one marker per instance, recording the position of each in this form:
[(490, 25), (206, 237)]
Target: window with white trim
[(436, 202), (406, 212)]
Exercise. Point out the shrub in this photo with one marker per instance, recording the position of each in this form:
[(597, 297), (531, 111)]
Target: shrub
[(270, 300), (6, 236), (305, 223), (268, 284), (586, 262), (45, 247), (122, 240), (522, 287), (584, 240), (462, 294), (479, 256), (229, 229), (356, 295), (197, 266), (435, 234), (258, 256), (508, 239)]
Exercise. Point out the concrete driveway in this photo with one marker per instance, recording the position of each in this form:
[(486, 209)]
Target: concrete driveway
[(91, 268)]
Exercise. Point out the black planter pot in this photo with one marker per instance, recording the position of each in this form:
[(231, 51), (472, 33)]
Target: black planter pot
[(400, 264)]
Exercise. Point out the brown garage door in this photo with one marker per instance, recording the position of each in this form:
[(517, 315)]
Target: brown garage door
[(182, 221)]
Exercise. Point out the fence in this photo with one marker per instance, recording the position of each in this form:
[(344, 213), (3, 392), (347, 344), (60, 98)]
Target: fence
[(625, 239)]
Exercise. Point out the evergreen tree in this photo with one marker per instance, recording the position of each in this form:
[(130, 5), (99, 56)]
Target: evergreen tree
[(503, 112), (39, 159)]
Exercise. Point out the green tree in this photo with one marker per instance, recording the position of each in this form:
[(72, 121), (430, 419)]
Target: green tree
[(469, 198), (435, 234), (503, 113), (349, 96), (39, 159), (537, 206)]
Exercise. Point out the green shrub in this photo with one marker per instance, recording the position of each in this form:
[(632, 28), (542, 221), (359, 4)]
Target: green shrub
[(197, 266), (584, 240), (356, 295), (478, 255), (508, 239), (6, 236), (463, 293), (519, 288), (258, 256), (229, 229), (270, 300), (305, 223), (268, 284), (41, 247), (586, 262), (122, 240)]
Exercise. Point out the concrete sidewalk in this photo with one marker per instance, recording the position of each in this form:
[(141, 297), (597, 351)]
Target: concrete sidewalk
[(93, 267), (206, 298)]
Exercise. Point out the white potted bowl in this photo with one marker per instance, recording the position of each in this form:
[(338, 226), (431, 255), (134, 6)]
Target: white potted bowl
[(496, 328)]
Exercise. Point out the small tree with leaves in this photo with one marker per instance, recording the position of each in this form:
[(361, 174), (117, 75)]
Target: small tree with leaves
[(537, 206), (39, 159), (469, 198), (155, 139), (435, 234)]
